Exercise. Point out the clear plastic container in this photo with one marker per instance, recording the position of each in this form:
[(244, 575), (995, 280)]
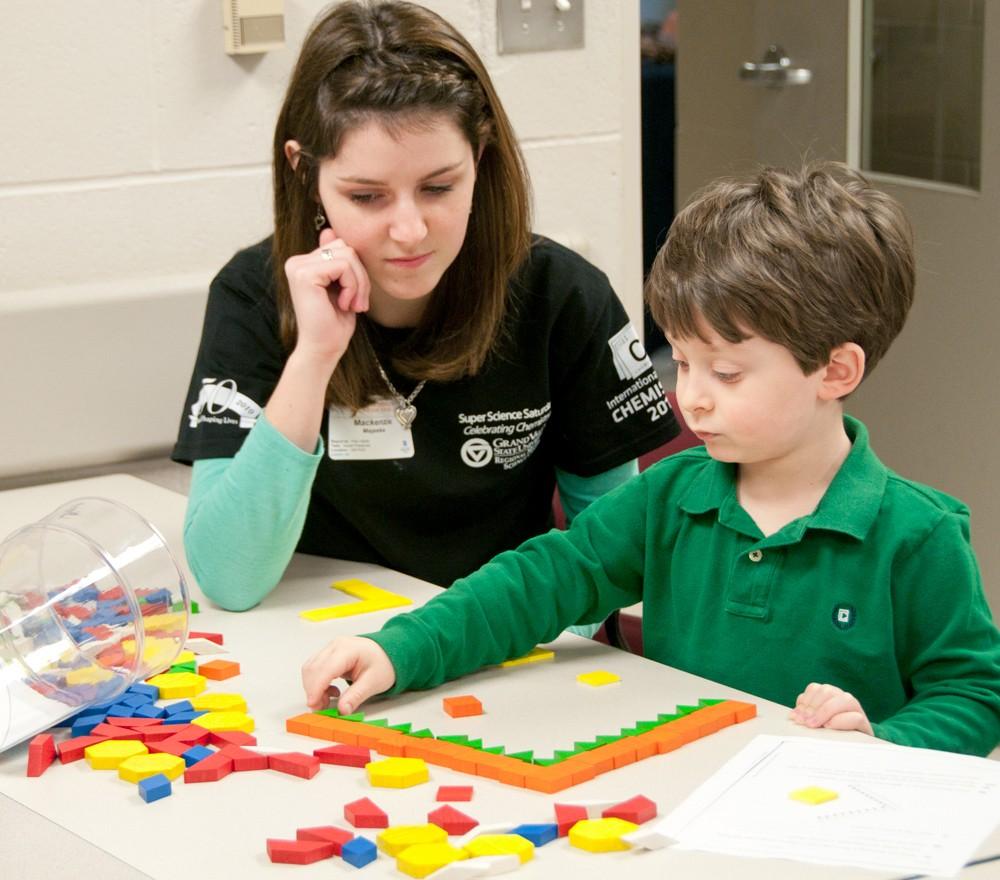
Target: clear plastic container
[(91, 601)]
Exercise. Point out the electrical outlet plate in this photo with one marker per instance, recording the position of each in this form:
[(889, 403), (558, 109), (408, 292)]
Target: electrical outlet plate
[(539, 25), (253, 26)]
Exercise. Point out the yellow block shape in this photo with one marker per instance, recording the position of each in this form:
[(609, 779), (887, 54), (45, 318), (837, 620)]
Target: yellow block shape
[(813, 795), (600, 835), (185, 657), (88, 675), (218, 702), (109, 754), (501, 845), (395, 839), (143, 766), (426, 858), (371, 598), (397, 772), (174, 685), (535, 655), (597, 679), (220, 721)]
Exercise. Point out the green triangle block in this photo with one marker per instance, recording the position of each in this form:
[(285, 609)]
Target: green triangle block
[(194, 607), (562, 755), (666, 719), (494, 750), (604, 739), (333, 713), (378, 722), (702, 703), (357, 716), (528, 757), (475, 744), (643, 726), (422, 734), (630, 731), (544, 762), (402, 728), (686, 710), (585, 746), (183, 667), (457, 739)]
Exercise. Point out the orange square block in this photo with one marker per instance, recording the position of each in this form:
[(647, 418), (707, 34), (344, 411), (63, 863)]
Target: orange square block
[(219, 670), (460, 707)]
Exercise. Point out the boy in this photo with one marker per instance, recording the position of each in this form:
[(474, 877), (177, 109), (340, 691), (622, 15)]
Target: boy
[(783, 551)]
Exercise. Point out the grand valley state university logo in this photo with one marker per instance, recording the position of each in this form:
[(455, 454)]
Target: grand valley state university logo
[(216, 399)]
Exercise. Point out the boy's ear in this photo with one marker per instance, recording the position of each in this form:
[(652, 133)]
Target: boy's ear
[(843, 372)]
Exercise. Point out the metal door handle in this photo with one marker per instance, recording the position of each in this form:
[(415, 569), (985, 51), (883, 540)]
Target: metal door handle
[(775, 70)]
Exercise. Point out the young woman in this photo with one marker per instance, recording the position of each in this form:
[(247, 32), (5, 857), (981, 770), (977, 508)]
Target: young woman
[(402, 372)]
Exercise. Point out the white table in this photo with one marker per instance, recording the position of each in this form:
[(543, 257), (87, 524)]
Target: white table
[(73, 821)]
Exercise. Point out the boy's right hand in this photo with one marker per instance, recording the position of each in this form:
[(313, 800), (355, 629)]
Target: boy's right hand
[(328, 287), (362, 662)]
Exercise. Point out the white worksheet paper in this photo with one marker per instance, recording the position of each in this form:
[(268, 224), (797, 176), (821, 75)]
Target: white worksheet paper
[(914, 811)]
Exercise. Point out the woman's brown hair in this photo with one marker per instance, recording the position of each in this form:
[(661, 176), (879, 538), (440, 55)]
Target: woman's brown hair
[(395, 63)]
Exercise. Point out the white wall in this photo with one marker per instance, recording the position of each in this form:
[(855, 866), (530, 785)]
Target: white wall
[(134, 162)]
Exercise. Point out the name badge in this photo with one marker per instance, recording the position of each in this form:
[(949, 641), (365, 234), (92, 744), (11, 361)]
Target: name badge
[(369, 434)]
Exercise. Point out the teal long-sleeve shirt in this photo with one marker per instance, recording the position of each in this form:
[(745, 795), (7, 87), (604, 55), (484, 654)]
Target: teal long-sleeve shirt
[(877, 591), (245, 514)]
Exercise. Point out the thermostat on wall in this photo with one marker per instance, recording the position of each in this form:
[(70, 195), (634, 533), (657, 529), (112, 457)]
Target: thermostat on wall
[(252, 26)]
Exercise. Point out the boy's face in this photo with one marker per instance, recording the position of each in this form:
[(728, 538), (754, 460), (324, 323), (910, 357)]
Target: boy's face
[(749, 401)]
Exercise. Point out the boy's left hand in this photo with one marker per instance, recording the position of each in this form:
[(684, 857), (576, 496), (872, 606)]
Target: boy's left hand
[(826, 705)]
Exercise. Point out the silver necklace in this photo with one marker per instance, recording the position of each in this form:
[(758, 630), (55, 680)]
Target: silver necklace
[(406, 412)]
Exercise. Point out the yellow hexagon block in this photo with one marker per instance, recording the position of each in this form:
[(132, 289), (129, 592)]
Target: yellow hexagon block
[(140, 767), (601, 835), (109, 754), (219, 703), (598, 678), (220, 721), (174, 685), (425, 858), (397, 772), (813, 795), (395, 839), (501, 845), (88, 675)]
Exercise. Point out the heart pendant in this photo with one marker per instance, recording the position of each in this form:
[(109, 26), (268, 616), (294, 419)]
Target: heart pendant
[(406, 414)]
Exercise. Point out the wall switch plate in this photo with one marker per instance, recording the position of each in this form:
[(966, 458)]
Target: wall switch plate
[(253, 26), (539, 25)]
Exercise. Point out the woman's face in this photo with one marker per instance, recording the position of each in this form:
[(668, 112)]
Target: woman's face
[(402, 201)]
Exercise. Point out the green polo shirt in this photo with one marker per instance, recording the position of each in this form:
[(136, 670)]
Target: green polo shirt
[(877, 591)]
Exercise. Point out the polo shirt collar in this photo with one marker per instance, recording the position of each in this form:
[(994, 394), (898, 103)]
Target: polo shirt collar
[(850, 504)]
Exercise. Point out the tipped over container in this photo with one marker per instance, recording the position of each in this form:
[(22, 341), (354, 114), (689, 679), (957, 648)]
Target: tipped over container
[(91, 601)]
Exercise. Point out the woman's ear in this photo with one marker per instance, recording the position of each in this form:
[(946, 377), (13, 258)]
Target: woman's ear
[(843, 372), (293, 151)]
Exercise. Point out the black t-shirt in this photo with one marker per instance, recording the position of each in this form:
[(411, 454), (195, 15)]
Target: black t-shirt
[(567, 386)]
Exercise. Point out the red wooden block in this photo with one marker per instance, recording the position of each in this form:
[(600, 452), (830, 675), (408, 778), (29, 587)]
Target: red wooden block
[(112, 593), (364, 814), (638, 810), (460, 707), (455, 793), (346, 756), (219, 670), (41, 753), (231, 738), (328, 834), (294, 764), (243, 759), (72, 749), (567, 815), (171, 745), (451, 820), (212, 637), (299, 852), (115, 721), (210, 769), (112, 732), (194, 733)]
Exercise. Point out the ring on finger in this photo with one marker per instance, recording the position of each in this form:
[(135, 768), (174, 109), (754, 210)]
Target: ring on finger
[(326, 254)]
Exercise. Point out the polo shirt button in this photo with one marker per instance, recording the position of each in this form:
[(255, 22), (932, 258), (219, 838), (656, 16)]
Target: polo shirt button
[(755, 556)]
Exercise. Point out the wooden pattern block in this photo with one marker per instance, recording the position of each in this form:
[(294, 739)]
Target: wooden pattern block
[(41, 754), (211, 769), (651, 738), (218, 702), (501, 845), (636, 810), (155, 788), (212, 637), (454, 792), (327, 834), (244, 760), (215, 721), (299, 852), (358, 852), (365, 814), (463, 706), (567, 815), (294, 764), (426, 858), (219, 670), (72, 749), (345, 756), (601, 835), (174, 685), (396, 838), (598, 678), (396, 772), (140, 767), (451, 820), (370, 598), (109, 754), (539, 834)]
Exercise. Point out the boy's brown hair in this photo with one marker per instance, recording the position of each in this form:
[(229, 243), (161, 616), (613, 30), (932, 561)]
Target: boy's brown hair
[(807, 259)]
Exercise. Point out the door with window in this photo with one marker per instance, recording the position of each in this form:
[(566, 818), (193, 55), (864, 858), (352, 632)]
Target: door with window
[(908, 91)]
